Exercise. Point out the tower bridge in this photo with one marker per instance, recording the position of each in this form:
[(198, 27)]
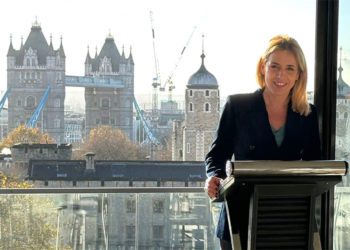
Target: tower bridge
[(36, 75)]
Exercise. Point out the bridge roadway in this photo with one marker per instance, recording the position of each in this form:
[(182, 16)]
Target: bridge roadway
[(93, 81)]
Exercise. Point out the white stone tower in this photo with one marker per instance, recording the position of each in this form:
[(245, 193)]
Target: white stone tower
[(193, 137)]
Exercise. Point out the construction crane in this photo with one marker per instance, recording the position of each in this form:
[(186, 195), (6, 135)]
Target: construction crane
[(169, 80), (156, 80)]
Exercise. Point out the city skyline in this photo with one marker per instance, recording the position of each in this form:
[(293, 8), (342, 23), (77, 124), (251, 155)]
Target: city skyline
[(233, 40)]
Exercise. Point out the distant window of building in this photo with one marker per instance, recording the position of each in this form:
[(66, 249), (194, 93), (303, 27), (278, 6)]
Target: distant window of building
[(112, 121), (207, 93), (130, 232), (191, 92), (58, 76), (105, 120), (57, 123), (19, 103), (30, 102), (207, 107), (188, 148), (105, 103), (33, 62), (27, 61), (158, 206), (57, 102), (131, 205), (158, 231), (345, 115), (97, 121), (190, 107)]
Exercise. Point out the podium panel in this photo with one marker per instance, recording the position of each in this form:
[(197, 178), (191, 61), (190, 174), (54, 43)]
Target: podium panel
[(281, 205)]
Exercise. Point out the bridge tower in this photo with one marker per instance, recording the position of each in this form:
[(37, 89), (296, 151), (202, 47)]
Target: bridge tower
[(30, 70), (106, 106)]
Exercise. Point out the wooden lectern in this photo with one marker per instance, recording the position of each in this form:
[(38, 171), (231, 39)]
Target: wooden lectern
[(281, 204)]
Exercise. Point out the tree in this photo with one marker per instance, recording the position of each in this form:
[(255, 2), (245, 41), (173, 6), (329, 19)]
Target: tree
[(25, 220), (23, 134), (8, 182), (110, 144)]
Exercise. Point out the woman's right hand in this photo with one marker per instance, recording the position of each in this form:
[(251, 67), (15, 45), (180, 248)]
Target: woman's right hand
[(212, 186)]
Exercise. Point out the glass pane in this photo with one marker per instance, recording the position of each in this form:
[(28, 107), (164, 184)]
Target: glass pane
[(100, 56), (103, 221), (342, 195)]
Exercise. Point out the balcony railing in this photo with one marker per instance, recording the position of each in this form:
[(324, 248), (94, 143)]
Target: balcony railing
[(107, 218), (123, 218)]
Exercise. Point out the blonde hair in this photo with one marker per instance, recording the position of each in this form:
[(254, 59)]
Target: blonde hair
[(298, 92)]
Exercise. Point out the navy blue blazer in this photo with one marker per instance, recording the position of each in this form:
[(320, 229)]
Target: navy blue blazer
[(244, 130)]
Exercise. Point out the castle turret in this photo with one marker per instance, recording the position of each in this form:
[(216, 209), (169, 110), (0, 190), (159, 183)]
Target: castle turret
[(193, 138), (11, 55)]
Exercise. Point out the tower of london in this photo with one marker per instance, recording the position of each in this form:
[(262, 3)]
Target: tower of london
[(192, 138)]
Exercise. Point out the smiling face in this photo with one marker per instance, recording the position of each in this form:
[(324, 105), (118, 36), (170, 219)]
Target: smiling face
[(280, 72)]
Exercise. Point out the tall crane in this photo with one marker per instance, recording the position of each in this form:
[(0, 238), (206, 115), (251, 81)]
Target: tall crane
[(169, 80), (156, 80)]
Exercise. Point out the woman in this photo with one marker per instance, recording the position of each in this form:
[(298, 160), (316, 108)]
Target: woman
[(274, 123)]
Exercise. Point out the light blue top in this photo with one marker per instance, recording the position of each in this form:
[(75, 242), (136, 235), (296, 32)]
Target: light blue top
[(279, 134)]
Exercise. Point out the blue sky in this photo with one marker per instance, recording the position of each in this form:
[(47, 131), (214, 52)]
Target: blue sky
[(236, 33)]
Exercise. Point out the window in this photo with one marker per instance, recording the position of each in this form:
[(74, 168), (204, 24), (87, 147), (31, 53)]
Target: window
[(158, 232), (111, 63), (30, 102), (130, 232), (57, 102), (58, 76), (190, 107), (207, 107), (57, 123), (105, 103), (158, 206), (188, 148), (130, 205), (105, 120), (342, 137)]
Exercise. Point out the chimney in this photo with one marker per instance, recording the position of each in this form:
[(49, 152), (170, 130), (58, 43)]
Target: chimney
[(90, 162)]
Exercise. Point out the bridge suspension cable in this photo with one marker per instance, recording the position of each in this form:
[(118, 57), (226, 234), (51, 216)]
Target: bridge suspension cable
[(146, 127), (34, 118)]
